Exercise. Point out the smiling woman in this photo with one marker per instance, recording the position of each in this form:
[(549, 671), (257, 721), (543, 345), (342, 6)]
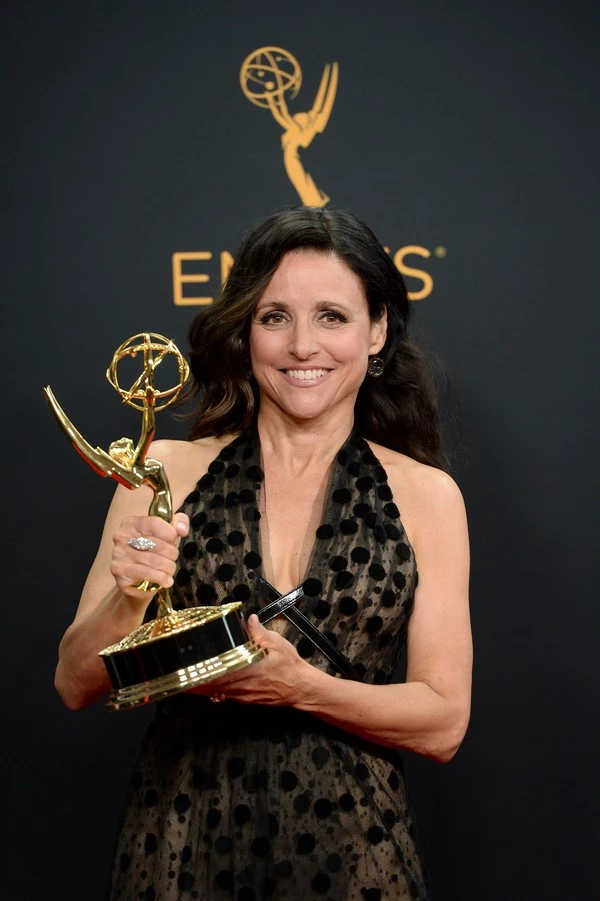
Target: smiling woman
[(311, 490)]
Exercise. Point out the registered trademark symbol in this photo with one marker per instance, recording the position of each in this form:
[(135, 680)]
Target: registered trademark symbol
[(440, 252)]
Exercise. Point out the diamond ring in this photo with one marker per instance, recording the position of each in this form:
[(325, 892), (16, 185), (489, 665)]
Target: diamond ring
[(142, 544)]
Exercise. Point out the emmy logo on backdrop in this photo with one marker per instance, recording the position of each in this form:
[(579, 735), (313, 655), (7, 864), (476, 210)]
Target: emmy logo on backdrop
[(179, 648), (267, 77)]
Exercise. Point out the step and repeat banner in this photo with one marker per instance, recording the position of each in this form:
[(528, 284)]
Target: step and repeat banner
[(142, 141)]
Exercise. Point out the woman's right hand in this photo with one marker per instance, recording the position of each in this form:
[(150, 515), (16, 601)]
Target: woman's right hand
[(130, 566)]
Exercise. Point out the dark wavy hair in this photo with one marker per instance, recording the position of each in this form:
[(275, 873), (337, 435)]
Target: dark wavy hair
[(398, 410)]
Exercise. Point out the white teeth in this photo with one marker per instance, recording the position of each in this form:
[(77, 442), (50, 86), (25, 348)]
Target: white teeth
[(305, 374)]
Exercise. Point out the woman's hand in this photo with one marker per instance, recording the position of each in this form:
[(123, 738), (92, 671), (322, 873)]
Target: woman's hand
[(130, 566), (279, 679)]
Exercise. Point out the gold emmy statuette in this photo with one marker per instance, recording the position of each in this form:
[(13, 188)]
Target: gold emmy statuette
[(266, 77), (179, 648)]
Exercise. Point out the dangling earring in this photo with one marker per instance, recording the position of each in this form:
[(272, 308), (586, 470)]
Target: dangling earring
[(375, 367)]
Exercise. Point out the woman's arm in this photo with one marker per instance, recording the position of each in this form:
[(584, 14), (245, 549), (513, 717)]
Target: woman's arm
[(110, 607), (429, 713)]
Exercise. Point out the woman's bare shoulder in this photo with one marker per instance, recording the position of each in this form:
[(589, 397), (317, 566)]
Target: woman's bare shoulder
[(417, 483), (185, 462)]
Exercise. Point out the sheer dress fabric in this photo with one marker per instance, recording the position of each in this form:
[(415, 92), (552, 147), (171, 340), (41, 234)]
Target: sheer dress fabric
[(235, 802)]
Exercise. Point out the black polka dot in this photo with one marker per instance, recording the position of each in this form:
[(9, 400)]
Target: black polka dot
[(302, 803), (185, 882), (374, 624), (205, 593), (255, 474), (360, 555), (232, 470), (235, 538), (210, 529), (391, 510), (261, 846), (216, 467), (232, 499), (214, 545), (198, 520), (225, 572), (241, 814), (246, 496), (325, 531), (216, 501), (399, 580), (348, 527), (377, 572), (320, 756), (341, 495), (288, 780), (361, 510), (365, 483), (388, 598), (392, 532), (312, 587), (224, 879), (344, 580), (321, 883), (284, 869), (241, 592), (347, 802), (323, 808), (223, 844), (375, 834), (403, 551), (305, 844), (213, 818), (182, 577), (348, 605), (189, 550), (150, 843), (252, 560), (380, 534), (385, 492), (181, 803), (338, 563), (322, 609)]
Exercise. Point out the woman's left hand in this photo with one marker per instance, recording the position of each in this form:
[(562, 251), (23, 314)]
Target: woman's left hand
[(277, 679)]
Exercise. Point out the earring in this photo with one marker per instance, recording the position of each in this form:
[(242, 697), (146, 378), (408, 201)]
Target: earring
[(375, 367)]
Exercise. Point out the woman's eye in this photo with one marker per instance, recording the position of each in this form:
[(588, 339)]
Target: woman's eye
[(332, 316), (273, 318)]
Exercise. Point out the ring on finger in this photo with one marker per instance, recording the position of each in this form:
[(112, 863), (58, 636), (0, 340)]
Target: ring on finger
[(141, 543), (218, 697)]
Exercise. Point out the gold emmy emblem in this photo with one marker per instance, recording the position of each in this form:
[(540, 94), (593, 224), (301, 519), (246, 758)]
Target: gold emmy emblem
[(179, 648), (267, 76)]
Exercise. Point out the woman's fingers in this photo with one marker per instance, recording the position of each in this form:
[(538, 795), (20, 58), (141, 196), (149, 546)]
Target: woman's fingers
[(132, 562)]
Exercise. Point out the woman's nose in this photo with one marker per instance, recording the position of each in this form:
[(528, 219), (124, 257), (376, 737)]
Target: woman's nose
[(303, 341)]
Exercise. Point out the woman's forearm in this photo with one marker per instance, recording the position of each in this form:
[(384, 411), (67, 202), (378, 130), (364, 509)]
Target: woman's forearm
[(81, 677), (407, 715)]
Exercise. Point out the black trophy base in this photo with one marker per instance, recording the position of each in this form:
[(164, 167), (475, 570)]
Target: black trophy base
[(176, 652)]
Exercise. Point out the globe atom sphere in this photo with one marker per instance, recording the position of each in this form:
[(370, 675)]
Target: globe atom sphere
[(270, 72)]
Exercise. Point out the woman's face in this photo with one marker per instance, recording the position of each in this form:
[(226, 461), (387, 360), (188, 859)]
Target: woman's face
[(311, 336)]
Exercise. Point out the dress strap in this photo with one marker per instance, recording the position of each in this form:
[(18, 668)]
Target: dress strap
[(285, 603)]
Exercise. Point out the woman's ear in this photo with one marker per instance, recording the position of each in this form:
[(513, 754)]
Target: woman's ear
[(378, 333)]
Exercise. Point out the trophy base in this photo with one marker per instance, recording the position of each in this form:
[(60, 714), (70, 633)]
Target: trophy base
[(176, 652), (184, 679)]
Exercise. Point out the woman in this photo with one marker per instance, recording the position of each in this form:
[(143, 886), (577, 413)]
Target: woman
[(314, 461)]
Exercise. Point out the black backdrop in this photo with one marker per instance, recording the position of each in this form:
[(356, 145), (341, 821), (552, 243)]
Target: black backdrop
[(467, 129)]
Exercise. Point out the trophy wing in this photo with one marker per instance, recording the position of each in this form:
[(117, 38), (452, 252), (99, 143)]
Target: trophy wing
[(95, 457), (325, 98)]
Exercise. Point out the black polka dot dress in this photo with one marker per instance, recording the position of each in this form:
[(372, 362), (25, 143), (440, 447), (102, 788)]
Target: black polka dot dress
[(235, 802)]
